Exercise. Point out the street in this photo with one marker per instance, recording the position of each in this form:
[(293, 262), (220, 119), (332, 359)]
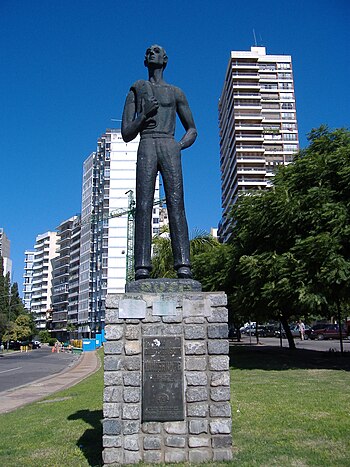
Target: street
[(19, 368), (321, 346)]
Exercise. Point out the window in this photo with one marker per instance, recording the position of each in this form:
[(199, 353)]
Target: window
[(283, 66), (287, 105), (290, 137)]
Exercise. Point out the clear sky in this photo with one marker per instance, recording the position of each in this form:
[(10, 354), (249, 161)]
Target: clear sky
[(67, 65)]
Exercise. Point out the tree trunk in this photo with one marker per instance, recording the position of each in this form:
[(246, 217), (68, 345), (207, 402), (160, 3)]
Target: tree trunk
[(286, 327)]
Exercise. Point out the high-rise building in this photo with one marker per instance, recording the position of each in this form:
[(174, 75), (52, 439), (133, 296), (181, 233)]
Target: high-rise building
[(258, 125), (109, 179), (28, 278), (41, 298), (5, 252), (65, 276)]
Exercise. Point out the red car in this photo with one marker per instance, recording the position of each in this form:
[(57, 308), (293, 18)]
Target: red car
[(327, 331)]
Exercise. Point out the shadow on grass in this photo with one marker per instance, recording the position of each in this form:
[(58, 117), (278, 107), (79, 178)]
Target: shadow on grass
[(90, 443), (276, 358)]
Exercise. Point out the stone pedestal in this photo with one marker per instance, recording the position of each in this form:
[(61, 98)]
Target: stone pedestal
[(167, 381)]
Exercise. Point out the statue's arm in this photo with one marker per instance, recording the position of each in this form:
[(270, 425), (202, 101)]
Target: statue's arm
[(132, 122), (185, 115)]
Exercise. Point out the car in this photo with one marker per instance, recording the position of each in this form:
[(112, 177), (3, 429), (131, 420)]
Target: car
[(294, 329), (35, 344), (327, 331)]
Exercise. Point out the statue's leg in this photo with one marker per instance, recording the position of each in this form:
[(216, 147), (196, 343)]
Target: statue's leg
[(171, 170), (146, 173)]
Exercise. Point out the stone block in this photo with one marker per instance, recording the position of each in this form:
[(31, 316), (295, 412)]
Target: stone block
[(197, 427), (112, 317), (222, 455), (197, 409), (113, 362), (218, 347), (220, 393), (217, 299), (218, 315), (196, 378), (132, 457), (220, 379), (198, 456), (113, 347), (195, 363), (131, 443), (112, 441), (112, 302), (195, 348), (177, 318), (132, 379), (112, 426), (131, 427), (151, 427), (154, 330), (175, 428), (132, 332), (196, 394), (219, 363), (114, 331), (131, 412), (218, 331), (152, 442), (132, 362), (220, 409), (152, 457), (194, 320), (175, 441), (220, 426), (132, 394), (132, 348), (195, 331), (113, 378), (111, 410), (112, 394), (175, 455), (224, 441), (199, 442), (112, 456), (174, 329)]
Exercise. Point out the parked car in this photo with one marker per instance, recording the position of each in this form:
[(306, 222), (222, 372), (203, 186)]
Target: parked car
[(327, 331), (35, 344), (294, 329)]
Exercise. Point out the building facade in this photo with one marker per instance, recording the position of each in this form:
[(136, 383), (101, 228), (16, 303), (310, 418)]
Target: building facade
[(258, 125), (65, 277), (5, 246), (41, 293), (28, 278), (106, 246)]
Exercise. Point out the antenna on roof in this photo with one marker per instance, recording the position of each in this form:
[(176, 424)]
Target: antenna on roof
[(254, 38)]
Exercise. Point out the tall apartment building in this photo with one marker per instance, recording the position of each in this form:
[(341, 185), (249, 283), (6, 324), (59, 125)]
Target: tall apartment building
[(41, 294), (28, 278), (5, 245), (65, 277), (258, 126), (109, 179)]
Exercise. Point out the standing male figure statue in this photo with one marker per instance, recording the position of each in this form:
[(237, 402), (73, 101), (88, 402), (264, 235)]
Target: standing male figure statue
[(150, 109)]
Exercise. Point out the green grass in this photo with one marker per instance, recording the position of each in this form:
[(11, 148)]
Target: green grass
[(290, 409)]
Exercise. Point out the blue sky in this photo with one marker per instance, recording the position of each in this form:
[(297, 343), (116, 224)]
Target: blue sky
[(67, 65)]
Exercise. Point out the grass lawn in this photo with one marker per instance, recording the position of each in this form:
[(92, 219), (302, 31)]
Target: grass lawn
[(289, 409)]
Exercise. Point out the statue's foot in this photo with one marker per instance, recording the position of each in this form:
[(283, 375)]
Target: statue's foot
[(184, 273), (141, 273)]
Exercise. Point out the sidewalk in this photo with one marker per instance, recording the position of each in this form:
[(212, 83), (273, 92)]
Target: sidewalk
[(11, 400)]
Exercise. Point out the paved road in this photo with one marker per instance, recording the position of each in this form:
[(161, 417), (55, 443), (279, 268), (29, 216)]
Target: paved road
[(19, 368), (321, 346)]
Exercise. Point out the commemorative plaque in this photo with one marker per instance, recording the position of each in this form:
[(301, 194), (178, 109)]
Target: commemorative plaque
[(162, 390)]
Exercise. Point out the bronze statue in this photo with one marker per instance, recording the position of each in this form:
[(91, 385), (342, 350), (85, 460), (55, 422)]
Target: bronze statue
[(150, 109)]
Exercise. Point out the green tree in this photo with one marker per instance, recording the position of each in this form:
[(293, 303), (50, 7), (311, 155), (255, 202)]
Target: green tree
[(162, 259), (292, 243), (20, 330)]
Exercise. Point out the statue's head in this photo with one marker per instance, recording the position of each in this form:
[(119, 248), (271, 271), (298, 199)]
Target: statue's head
[(156, 56)]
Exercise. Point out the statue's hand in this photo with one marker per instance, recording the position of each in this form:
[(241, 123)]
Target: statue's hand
[(150, 107)]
